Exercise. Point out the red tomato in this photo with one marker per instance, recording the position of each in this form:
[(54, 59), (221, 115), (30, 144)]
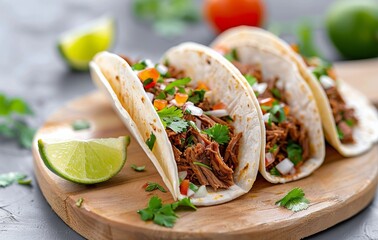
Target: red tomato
[(184, 186), (225, 14)]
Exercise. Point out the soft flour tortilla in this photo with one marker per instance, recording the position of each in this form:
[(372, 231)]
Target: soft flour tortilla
[(112, 74), (298, 94), (365, 133)]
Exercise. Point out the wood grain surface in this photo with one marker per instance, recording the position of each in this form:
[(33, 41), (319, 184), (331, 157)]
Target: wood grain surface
[(338, 190)]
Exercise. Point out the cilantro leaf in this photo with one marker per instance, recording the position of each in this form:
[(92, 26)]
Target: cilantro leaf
[(197, 96), (276, 93), (79, 202), (250, 79), (178, 83), (176, 124), (78, 125), (294, 200), (7, 179), (151, 141), (274, 171), (163, 215), (151, 186), (273, 149), (161, 95), (219, 132), (276, 109), (171, 117), (232, 55), (24, 182), (138, 169), (202, 165), (294, 152), (139, 66), (340, 133), (168, 112)]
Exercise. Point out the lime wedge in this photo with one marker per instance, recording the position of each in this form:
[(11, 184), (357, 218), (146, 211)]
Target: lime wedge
[(78, 46), (86, 162)]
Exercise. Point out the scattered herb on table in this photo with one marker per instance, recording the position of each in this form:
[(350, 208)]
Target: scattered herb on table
[(151, 186), (24, 182), (295, 200), (78, 125), (79, 202), (7, 179), (169, 17), (163, 215), (138, 168), (151, 141), (13, 113)]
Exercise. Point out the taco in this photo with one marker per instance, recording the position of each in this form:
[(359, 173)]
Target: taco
[(293, 143), (204, 121), (349, 119)]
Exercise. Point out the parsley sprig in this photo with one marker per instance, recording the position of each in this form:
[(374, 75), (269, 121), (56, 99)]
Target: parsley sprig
[(295, 200), (163, 215), (220, 133)]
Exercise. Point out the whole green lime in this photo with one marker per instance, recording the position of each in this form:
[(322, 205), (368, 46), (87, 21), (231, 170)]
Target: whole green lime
[(352, 26)]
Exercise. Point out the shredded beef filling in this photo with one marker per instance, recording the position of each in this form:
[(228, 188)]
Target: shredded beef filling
[(278, 135)]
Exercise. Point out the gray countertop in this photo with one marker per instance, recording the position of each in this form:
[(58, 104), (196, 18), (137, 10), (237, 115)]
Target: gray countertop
[(31, 68)]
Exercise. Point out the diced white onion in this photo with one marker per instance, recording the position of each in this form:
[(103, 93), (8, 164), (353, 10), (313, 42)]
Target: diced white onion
[(150, 96), (202, 192), (190, 192), (280, 84), (162, 86), (260, 87), (266, 117), (182, 175), (326, 82), (162, 69), (149, 63), (173, 101), (285, 166), (293, 171), (208, 94), (269, 159), (198, 123), (218, 113), (195, 111)]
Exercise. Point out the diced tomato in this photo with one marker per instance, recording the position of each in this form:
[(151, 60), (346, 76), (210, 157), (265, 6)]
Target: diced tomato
[(295, 47), (219, 105), (286, 109), (145, 185), (331, 73), (149, 73), (181, 98), (184, 186), (202, 85), (160, 103)]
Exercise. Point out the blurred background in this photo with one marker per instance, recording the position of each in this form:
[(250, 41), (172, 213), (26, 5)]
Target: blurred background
[(46, 45)]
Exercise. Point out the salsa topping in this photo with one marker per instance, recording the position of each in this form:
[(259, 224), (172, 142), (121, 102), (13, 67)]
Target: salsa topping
[(203, 140), (287, 141)]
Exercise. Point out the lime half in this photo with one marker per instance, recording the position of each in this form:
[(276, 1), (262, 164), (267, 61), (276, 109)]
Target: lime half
[(78, 46), (87, 162)]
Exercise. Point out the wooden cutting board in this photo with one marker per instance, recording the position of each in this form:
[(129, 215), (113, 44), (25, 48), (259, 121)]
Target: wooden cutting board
[(338, 190)]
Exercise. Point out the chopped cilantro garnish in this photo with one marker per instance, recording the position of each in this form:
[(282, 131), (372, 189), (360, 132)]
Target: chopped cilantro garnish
[(178, 83), (151, 141), (138, 169), (276, 108), (151, 186), (171, 91), (163, 215), (250, 79), (197, 96), (202, 165), (78, 125), (232, 56), (181, 90), (79, 202), (161, 95), (171, 117), (274, 172), (273, 149), (219, 132), (147, 81), (340, 133), (139, 66), (294, 200), (7, 179), (294, 152), (276, 93), (193, 187), (349, 122)]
